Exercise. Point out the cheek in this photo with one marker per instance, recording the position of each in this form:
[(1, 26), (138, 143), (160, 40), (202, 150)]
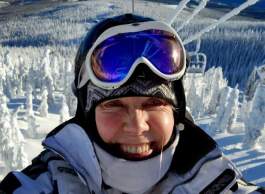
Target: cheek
[(107, 126), (162, 125)]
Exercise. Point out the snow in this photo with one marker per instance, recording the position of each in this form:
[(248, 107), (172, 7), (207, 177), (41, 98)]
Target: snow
[(36, 64), (4, 4)]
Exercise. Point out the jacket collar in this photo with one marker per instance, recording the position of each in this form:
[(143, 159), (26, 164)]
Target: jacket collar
[(194, 144), (72, 143)]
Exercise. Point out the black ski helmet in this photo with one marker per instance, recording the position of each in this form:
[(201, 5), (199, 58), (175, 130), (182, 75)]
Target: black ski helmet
[(86, 117)]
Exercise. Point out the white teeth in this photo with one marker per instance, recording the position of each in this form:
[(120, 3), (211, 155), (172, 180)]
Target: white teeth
[(139, 150), (136, 149)]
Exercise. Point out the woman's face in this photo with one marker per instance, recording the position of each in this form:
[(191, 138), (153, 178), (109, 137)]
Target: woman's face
[(138, 126)]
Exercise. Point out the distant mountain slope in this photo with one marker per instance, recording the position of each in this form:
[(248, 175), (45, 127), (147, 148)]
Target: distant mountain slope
[(256, 11)]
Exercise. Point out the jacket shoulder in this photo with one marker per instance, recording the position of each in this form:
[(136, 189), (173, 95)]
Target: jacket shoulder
[(36, 177)]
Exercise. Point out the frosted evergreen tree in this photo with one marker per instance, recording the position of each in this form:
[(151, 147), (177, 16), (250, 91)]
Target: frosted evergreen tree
[(16, 133), (208, 77), (215, 125), (64, 111), (232, 109), (68, 80), (50, 87), (201, 106), (46, 61), (254, 125), (31, 119), (32, 126), (227, 112), (244, 110), (55, 71), (2, 76), (29, 105), (47, 77), (20, 158), (251, 84), (193, 99), (73, 105), (67, 72), (43, 108), (228, 115), (4, 111), (7, 143), (23, 71), (215, 88), (191, 93)]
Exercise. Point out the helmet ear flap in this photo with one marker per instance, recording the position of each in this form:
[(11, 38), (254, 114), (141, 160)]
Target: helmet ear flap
[(81, 94), (74, 88), (180, 109)]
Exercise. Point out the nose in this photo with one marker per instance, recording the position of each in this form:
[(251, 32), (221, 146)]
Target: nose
[(136, 122)]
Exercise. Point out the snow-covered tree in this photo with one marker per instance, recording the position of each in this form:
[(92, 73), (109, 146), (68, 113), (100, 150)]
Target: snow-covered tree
[(11, 138), (193, 99), (244, 109), (31, 119), (68, 80), (32, 126), (2, 76), (21, 159), (232, 108), (215, 125), (43, 108), (8, 137), (227, 112), (64, 111), (47, 80), (254, 125), (22, 75), (4, 111), (216, 86), (16, 133), (6, 143), (29, 105), (251, 84)]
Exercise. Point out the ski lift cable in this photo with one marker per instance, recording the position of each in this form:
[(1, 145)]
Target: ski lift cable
[(221, 20), (180, 7), (194, 13)]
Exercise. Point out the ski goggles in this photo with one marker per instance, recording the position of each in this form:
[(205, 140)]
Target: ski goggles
[(116, 53)]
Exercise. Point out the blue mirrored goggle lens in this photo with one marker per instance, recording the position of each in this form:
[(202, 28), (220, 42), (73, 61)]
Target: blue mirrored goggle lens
[(112, 59)]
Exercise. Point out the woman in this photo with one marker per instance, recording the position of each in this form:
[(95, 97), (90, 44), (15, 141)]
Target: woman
[(130, 133)]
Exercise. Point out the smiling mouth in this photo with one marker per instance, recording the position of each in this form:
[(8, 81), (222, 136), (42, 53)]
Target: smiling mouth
[(139, 151)]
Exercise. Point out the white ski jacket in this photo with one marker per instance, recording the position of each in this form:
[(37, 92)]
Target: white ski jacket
[(69, 165)]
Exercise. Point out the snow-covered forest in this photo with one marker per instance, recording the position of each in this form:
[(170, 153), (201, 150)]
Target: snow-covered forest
[(224, 84)]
